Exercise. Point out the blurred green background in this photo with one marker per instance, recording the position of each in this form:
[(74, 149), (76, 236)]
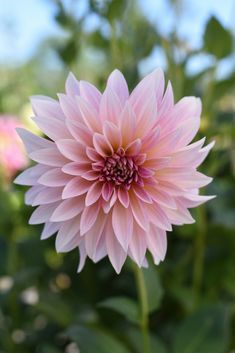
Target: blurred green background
[(45, 306)]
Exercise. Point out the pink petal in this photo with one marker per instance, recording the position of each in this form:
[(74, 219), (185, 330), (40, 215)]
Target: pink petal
[(91, 94), (53, 128), (142, 194), (64, 246), (32, 193), (107, 190), (31, 175), (117, 83), (110, 107), (139, 212), (92, 154), (123, 197), (116, 254), (94, 193), (88, 218), (43, 213), (72, 85), (68, 234), (146, 115), (49, 229), (128, 124), (83, 256), (75, 187), (54, 177), (76, 168), (89, 115), (80, 132), (112, 134), (91, 175), (68, 209), (157, 163), (72, 149), (157, 243), (70, 108), (48, 195), (167, 102), (158, 217), (33, 142), (133, 148), (162, 197), (122, 221), (94, 234), (46, 107), (137, 245), (102, 145), (48, 156)]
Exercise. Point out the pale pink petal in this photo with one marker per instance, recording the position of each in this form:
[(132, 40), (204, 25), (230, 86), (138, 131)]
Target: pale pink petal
[(75, 187), (88, 218), (94, 234), (68, 209), (137, 246), (80, 132), (157, 243), (93, 193), (46, 107), (32, 193), (117, 83), (68, 235), (91, 94), (92, 154), (139, 212), (102, 145), (31, 175), (142, 194), (43, 213), (127, 124), (76, 168), (159, 217), (89, 115), (54, 177), (83, 256), (112, 134), (122, 221), (123, 196), (55, 129), (72, 150), (49, 229), (48, 156), (72, 85), (133, 148), (107, 190), (48, 195), (110, 107), (116, 254), (33, 142), (70, 108)]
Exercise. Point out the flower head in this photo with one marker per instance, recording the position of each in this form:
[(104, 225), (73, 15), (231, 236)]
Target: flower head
[(117, 170), (12, 154)]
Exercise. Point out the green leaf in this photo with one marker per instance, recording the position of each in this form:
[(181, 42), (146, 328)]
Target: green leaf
[(90, 340), (135, 337), (206, 331), (218, 41), (154, 287), (124, 306)]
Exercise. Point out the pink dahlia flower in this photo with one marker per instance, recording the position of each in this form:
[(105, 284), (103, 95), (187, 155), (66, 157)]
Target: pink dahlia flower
[(117, 170), (12, 154)]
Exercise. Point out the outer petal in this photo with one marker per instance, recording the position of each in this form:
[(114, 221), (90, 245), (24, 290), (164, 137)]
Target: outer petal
[(33, 142), (88, 218), (91, 94), (68, 209), (110, 107), (122, 221), (117, 83), (46, 107), (72, 85)]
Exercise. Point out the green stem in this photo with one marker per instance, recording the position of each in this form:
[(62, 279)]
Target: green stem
[(199, 254), (143, 301)]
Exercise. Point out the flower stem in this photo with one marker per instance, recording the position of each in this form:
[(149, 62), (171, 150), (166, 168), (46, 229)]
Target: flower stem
[(143, 302)]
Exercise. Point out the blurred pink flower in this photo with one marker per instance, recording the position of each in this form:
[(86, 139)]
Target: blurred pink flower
[(12, 153), (118, 169)]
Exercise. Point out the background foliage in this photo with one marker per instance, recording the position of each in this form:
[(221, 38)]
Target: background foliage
[(45, 307)]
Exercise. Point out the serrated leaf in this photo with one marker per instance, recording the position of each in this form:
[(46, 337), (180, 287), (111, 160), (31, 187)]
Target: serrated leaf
[(91, 340), (206, 331), (218, 41), (124, 306)]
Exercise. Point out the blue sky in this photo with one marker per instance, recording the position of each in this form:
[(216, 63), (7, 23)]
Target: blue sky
[(25, 23)]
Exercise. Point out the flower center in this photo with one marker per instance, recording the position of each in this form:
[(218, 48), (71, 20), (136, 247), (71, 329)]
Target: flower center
[(120, 170)]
